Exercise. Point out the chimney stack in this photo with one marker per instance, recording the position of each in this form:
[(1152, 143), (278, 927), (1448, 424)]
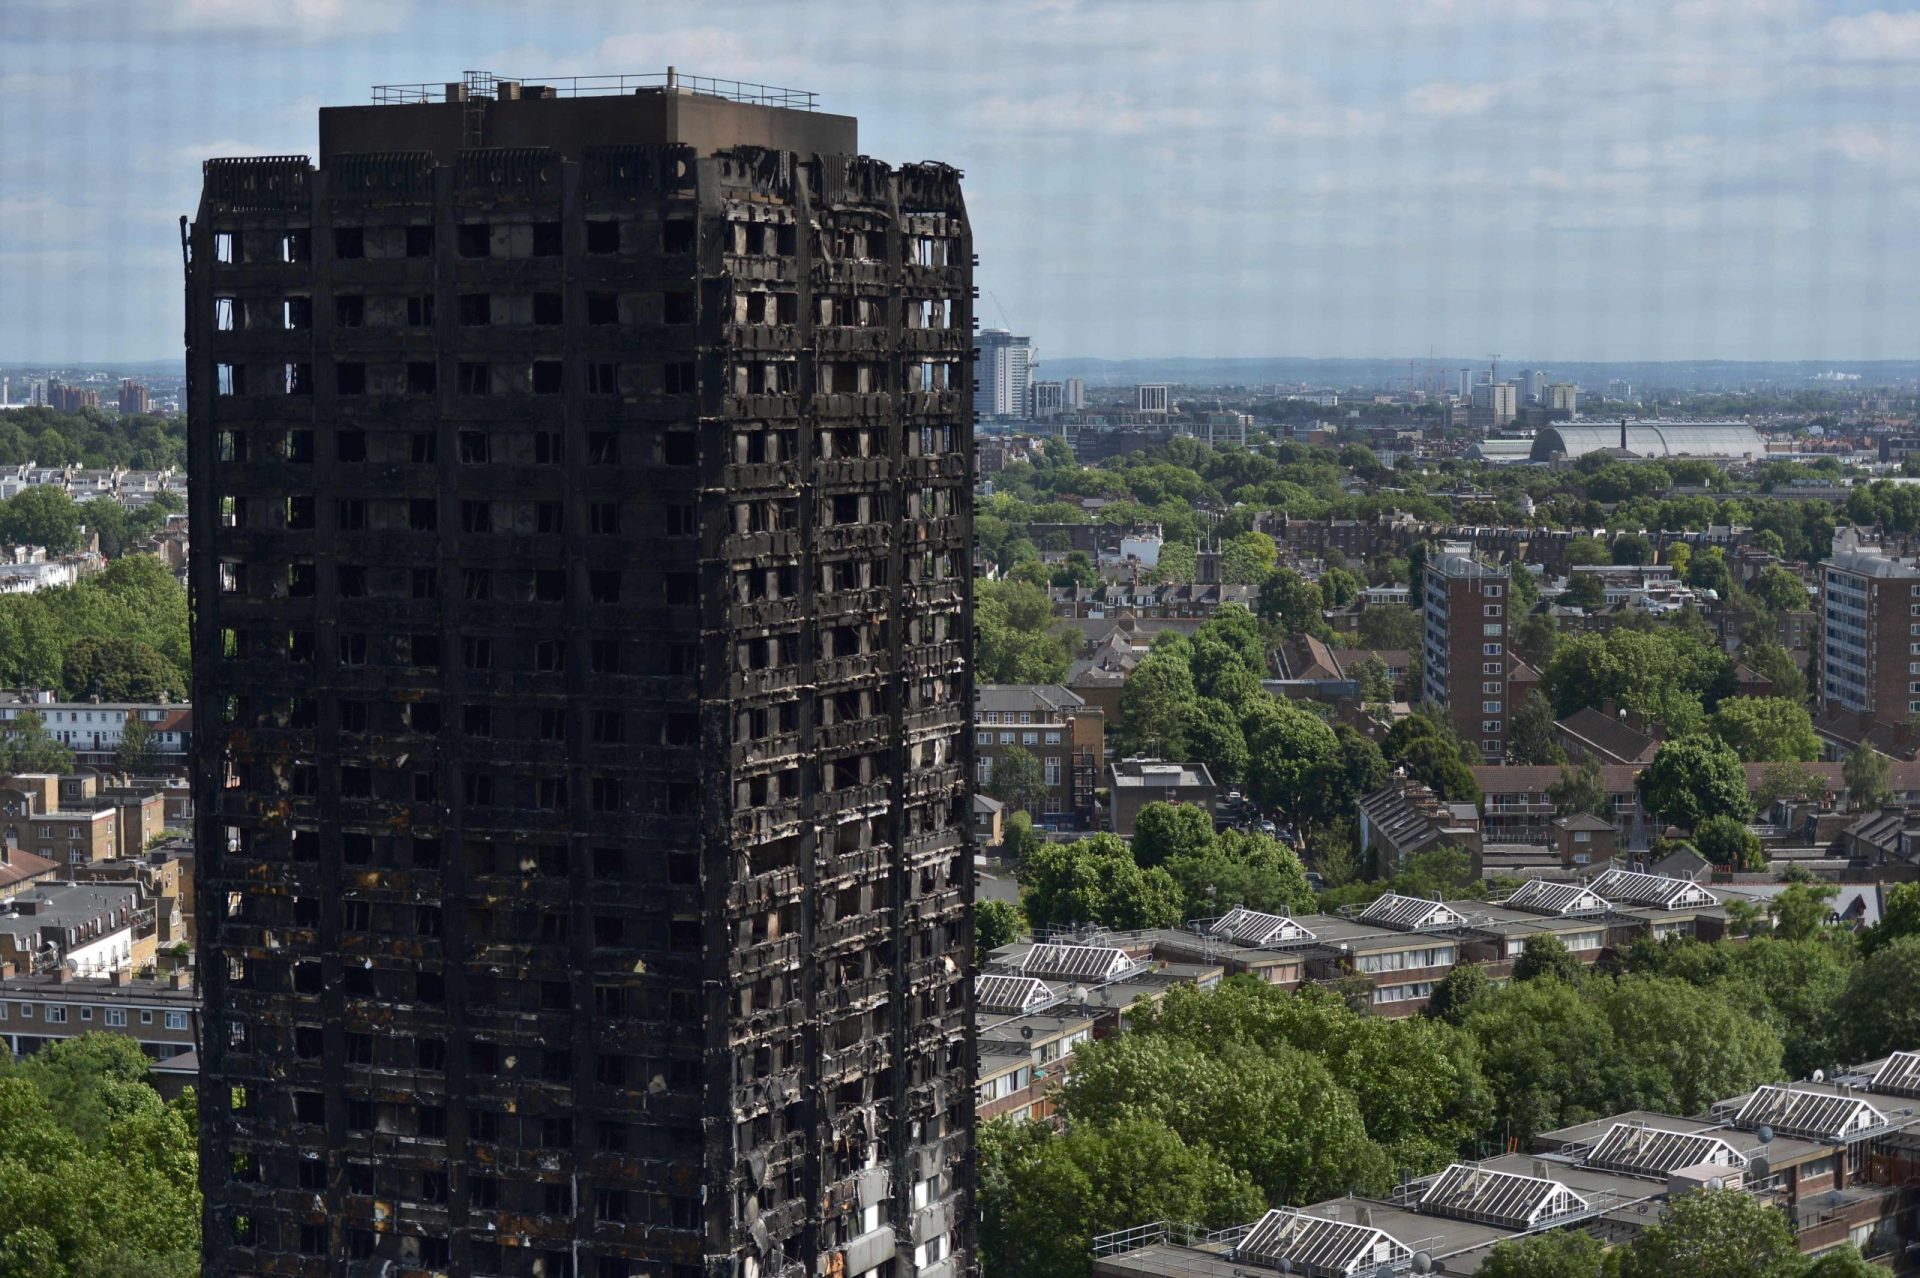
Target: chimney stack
[(1623, 434)]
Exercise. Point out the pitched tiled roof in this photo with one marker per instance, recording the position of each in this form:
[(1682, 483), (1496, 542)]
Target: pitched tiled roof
[(23, 866), (1611, 738)]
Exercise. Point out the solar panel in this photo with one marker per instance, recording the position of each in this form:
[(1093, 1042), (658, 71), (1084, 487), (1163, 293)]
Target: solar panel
[(1899, 1075), (1629, 1147), (1250, 927), (1010, 993), (1816, 1115), (1410, 913), (1507, 1199), (1540, 896), (1658, 890), (1317, 1247), (1075, 962)]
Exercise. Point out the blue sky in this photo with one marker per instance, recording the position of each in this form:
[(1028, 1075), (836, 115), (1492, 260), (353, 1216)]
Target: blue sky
[(1570, 179)]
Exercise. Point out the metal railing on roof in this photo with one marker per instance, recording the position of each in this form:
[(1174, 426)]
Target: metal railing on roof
[(486, 84)]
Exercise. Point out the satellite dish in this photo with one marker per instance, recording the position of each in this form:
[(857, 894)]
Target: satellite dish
[(1819, 1076), (1765, 1133), (1759, 1168), (1422, 1263), (1286, 1266), (1026, 1031), (1384, 1271), (1715, 1182)]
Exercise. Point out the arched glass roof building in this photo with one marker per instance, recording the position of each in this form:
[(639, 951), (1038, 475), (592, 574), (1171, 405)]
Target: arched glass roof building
[(1729, 441)]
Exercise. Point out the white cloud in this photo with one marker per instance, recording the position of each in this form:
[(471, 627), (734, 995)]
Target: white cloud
[(1875, 36), (1445, 98)]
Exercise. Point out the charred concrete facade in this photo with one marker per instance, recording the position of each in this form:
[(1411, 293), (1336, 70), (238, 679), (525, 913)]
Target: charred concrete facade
[(581, 624)]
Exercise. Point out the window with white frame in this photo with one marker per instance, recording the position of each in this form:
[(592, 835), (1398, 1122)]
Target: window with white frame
[(56, 1016), (116, 1017), (1053, 769), (176, 1020)]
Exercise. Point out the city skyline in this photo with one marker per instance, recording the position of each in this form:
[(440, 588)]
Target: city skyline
[(1694, 179)]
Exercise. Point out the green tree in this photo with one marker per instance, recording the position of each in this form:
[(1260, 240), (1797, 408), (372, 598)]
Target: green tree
[(1715, 1233), (1726, 841), (995, 923), (1018, 839), (119, 670), (1157, 698), (1693, 778), (1095, 880), (1899, 916), (1455, 994), (1389, 628), (1766, 729), (1045, 1194), (1778, 590), (138, 754), (1587, 590), (1338, 587), (1017, 780), (1845, 1261), (42, 515), (1707, 570), (1549, 1056), (1581, 789), (1246, 560), (1290, 752), (1376, 688), (1532, 733), (1869, 778), (99, 1173), (1800, 983), (1298, 1134), (1241, 868), (1786, 781), (1212, 735), (29, 747), (1547, 956), (1163, 831), (1880, 1011), (1687, 1045), (1566, 1253), (1293, 602), (1587, 550), (1012, 642), (1778, 666)]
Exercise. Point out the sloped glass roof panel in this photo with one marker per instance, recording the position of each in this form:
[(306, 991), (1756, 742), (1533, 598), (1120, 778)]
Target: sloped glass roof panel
[(1899, 1075), (1316, 1247), (1658, 890), (1630, 1147), (1541, 896), (1010, 993), (1815, 1115), (1410, 913), (1075, 962), (1506, 1199), (1250, 927)]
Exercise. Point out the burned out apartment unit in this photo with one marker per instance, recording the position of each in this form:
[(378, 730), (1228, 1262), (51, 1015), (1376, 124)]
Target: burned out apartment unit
[(581, 628)]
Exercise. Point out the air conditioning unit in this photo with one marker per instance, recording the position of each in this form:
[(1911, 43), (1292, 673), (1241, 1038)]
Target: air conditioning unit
[(1705, 1176)]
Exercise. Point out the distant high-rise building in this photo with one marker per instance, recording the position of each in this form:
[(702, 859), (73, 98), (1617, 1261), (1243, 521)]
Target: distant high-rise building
[(1076, 394), (1152, 400), (1868, 650), (1465, 657), (1466, 382), (1049, 399), (583, 823), (1003, 367), (1563, 397), (1619, 389), (1493, 406), (71, 399), (1532, 383), (133, 396)]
